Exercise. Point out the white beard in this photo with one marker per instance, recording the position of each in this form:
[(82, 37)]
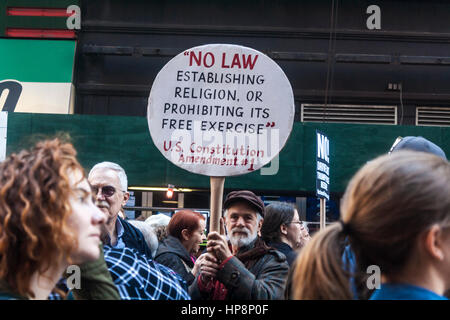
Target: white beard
[(240, 240)]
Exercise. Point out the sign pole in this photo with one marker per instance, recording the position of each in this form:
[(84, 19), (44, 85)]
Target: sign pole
[(217, 184), (323, 213)]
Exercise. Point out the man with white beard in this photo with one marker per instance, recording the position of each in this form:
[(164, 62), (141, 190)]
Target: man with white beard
[(246, 268)]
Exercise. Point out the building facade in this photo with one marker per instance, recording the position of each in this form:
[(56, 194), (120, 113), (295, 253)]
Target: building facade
[(363, 72)]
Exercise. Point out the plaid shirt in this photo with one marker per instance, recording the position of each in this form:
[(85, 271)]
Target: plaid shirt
[(139, 278)]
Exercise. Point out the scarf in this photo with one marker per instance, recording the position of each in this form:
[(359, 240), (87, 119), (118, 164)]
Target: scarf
[(249, 258)]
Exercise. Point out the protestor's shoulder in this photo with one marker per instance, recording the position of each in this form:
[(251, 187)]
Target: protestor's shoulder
[(121, 254), (167, 271), (5, 296), (173, 279), (279, 256)]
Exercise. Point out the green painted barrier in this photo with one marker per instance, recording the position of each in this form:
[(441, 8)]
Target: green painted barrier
[(38, 61), (126, 140)]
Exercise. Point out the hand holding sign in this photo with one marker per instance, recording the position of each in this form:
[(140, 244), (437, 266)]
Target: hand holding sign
[(218, 246), (220, 110)]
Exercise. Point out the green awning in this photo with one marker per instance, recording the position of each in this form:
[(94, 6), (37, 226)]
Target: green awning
[(36, 75)]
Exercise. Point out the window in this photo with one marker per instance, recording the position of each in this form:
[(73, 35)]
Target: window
[(433, 116), (343, 113)]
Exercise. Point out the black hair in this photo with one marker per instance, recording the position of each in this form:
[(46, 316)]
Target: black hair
[(276, 214)]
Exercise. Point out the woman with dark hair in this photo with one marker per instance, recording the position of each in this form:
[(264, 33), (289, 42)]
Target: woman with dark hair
[(282, 229), (186, 231), (396, 218), (48, 221)]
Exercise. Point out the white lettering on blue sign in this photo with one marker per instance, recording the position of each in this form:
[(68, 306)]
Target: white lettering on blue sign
[(323, 147), (323, 177), (323, 168)]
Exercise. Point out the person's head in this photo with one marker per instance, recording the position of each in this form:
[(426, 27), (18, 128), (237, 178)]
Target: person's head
[(417, 144), (396, 215), (188, 227), (159, 223), (47, 216), (243, 217), (161, 232), (282, 224), (109, 183), (304, 236), (156, 220)]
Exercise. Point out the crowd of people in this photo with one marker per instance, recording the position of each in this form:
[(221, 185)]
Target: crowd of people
[(395, 218)]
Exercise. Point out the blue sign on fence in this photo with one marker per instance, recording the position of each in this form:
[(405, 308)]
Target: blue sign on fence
[(323, 166)]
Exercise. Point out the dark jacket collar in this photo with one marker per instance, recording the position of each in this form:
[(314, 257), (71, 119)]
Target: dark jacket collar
[(285, 249), (133, 238), (173, 245), (281, 246)]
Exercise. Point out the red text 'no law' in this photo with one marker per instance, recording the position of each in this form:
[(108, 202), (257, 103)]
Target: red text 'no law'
[(207, 59)]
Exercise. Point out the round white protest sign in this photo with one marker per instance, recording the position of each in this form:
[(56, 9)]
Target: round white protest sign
[(220, 110)]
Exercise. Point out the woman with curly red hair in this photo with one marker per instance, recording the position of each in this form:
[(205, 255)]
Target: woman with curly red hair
[(48, 220)]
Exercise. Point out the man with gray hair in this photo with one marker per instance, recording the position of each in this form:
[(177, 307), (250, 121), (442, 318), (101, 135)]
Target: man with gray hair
[(247, 269), (109, 184)]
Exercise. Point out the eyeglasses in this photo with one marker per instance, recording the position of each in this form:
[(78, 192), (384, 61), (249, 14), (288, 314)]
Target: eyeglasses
[(299, 222), (107, 191), (397, 141)]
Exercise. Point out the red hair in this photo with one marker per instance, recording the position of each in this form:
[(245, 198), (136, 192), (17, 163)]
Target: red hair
[(184, 219), (34, 208)]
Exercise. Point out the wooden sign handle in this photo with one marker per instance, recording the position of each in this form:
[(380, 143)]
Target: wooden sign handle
[(323, 213), (217, 184)]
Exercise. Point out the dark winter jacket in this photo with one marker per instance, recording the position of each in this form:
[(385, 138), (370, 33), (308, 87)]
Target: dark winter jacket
[(253, 274), (171, 253), (285, 249), (134, 239)]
